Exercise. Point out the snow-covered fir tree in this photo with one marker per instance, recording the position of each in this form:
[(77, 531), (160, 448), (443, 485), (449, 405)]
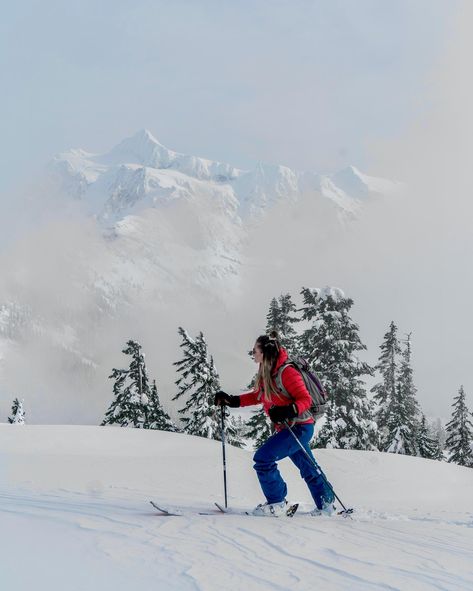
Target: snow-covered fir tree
[(238, 428), (427, 446), (272, 317), (385, 391), (135, 403), (235, 430), (258, 427), (282, 317), (17, 413), (331, 344), (460, 432), (437, 432), (157, 417), (198, 382), (403, 410), (131, 391)]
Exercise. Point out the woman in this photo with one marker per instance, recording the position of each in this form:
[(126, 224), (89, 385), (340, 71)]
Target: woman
[(270, 355)]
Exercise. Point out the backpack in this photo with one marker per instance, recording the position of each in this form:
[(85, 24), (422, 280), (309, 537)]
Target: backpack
[(312, 383)]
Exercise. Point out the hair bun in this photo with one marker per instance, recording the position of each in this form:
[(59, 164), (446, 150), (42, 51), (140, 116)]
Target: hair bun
[(273, 335)]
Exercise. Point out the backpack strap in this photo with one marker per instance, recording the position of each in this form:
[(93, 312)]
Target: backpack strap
[(302, 418), (278, 380)]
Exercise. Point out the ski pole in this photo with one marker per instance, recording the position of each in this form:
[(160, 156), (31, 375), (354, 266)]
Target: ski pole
[(319, 471), (223, 453)]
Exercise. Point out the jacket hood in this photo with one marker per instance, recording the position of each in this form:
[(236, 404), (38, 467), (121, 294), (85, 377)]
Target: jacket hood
[(282, 358)]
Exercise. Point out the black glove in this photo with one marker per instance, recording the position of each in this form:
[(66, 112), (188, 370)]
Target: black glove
[(224, 399), (279, 414)]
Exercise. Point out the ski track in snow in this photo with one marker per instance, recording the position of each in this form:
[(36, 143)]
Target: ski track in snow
[(75, 516), (262, 553)]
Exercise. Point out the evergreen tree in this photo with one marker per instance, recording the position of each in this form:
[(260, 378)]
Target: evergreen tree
[(135, 403), (331, 344), (157, 417), (18, 413), (281, 318), (259, 427), (403, 409), (198, 382), (396, 441), (385, 391), (235, 429), (131, 391), (273, 315), (240, 427), (460, 432), (427, 446), (437, 432)]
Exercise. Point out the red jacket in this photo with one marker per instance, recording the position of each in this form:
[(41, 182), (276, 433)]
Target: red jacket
[(294, 384)]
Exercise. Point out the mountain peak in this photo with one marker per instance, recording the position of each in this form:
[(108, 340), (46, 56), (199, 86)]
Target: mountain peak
[(164, 174), (145, 135), (140, 148), (357, 184)]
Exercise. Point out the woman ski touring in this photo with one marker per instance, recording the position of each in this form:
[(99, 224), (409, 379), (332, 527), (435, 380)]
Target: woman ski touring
[(270, 355)]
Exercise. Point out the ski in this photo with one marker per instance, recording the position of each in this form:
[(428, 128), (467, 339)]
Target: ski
[(164, 511), (290, 511), (167, 512), (345, 513)]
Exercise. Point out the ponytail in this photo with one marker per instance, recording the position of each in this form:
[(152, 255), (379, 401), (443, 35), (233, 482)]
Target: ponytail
[(270, 346)]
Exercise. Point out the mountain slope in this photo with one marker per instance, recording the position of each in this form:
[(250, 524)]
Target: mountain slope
[(74, 510), (140, 240), (140, 170)]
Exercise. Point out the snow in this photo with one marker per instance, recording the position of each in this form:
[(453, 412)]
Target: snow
[(140, 172), (328, 292), (359, 185), (144, 149), (144, 226), (75, 515)]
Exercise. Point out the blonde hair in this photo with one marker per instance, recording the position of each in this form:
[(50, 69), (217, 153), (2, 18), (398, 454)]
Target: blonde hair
[(270, 347)]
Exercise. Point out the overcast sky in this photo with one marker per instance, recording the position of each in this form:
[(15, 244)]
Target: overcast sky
[(384, 85), (304, 83)]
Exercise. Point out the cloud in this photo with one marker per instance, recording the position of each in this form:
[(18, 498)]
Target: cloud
[(408, 256), (422, 254), (406, 259)]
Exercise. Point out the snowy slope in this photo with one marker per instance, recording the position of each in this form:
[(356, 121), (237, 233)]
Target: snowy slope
[(74, 515)]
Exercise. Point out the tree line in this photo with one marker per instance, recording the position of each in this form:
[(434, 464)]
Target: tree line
[(386, 418)]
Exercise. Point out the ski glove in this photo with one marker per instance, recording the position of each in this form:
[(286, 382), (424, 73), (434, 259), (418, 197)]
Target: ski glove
[(224, 399), (279, 414)]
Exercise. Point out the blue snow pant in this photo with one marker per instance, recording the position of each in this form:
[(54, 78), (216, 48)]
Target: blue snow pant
[(282, 445)]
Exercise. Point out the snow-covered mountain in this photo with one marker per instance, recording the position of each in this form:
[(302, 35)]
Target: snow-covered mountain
[(75, 514), (151, 238), (185, 208), (140, 172)]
